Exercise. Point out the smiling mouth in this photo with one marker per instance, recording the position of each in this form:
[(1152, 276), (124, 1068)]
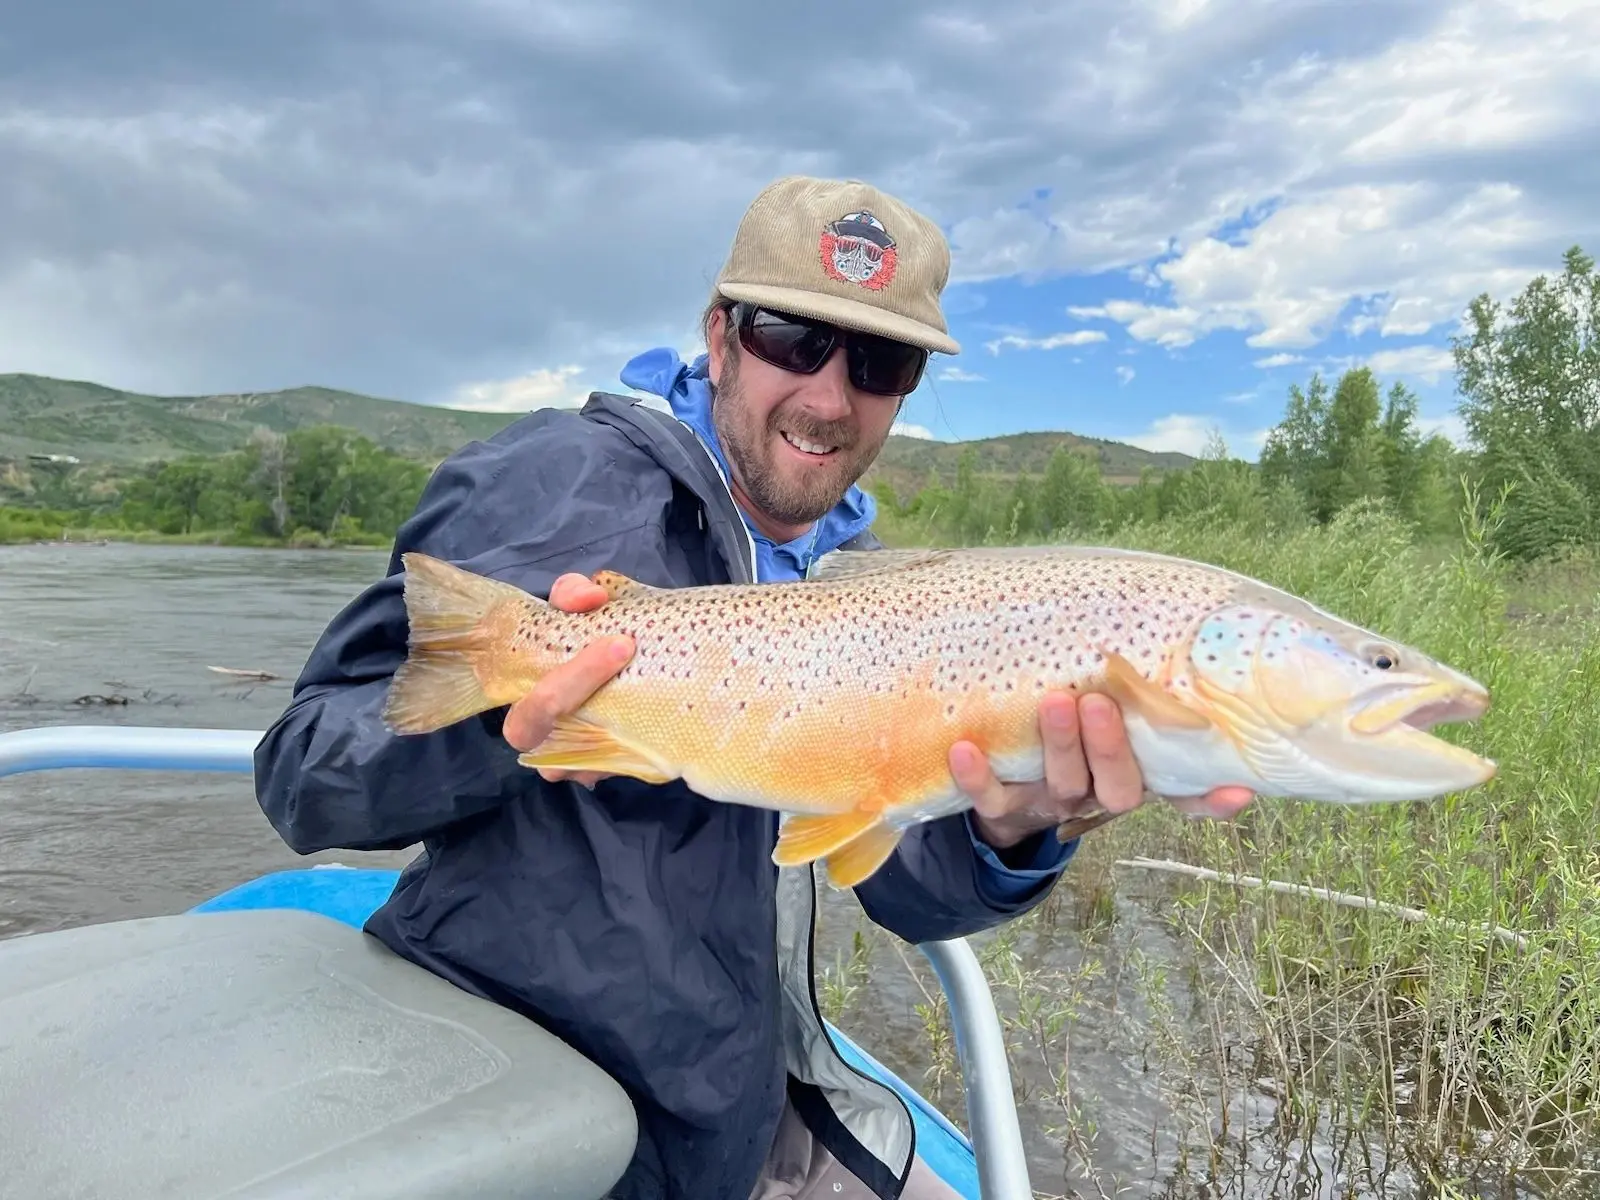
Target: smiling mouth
[(808, 448)]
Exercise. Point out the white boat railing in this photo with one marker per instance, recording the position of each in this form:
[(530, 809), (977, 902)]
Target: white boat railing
[(995, 1132)]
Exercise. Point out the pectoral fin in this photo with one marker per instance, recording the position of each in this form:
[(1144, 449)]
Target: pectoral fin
[(1076, 827), (577, 745), (1155, 704)]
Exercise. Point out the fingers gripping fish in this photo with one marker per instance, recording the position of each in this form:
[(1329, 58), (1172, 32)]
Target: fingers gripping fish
[(836, 699)]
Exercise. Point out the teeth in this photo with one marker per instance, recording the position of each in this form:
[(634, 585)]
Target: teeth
[(808, 447)]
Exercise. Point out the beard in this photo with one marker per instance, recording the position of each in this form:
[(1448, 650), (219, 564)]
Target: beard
[(795, 496)]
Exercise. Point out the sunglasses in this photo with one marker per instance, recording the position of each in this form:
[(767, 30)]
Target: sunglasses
[(878, 365)]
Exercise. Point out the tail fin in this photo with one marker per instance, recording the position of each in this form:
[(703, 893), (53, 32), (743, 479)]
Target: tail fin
[(438, 684)]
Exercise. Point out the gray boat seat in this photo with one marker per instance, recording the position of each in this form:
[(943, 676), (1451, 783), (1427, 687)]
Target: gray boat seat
[(273, 1054)]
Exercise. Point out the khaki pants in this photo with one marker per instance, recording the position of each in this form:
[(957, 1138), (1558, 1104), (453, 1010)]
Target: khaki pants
[(798, 1168)]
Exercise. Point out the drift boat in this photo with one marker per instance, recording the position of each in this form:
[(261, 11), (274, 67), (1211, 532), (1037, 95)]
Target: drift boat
[(259, 1046)]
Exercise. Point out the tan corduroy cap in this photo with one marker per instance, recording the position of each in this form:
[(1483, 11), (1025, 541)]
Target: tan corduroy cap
[(842, 251)]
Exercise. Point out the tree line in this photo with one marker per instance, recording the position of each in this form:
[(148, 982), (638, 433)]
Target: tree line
[(1528, 377), (323, 485)]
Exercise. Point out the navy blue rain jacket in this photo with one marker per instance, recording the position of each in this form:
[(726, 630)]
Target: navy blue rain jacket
[(634, 921)]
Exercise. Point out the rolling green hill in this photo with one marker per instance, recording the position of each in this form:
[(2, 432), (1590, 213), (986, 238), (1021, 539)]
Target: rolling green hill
[(906, 463), (104, 426), (101, 424)]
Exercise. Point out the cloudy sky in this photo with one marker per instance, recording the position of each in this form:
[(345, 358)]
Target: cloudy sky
[(1162, 212)]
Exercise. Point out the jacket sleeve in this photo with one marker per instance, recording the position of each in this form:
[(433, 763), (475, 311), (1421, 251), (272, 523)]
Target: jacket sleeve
[(942, 882), (328, 772)]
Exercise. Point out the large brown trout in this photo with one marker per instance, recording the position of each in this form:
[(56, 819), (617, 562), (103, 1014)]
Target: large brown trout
[(836, 699)]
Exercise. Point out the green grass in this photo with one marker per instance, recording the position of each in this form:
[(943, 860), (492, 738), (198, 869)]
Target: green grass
[(1467, 1062)]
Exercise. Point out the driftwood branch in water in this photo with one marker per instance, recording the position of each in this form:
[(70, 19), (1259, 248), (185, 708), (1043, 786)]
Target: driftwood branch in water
[(242, 673), (1347, 899)]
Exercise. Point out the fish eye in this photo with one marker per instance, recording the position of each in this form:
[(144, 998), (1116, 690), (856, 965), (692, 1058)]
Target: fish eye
[(1384, 661)]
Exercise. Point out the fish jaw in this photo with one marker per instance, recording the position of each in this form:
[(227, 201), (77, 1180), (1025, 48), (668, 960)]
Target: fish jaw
[(1393, 733), (1322, 710), (1411, 764)]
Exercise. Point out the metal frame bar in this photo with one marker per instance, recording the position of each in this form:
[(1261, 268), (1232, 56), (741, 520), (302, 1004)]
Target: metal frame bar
[(980, 1043), (128, 747)]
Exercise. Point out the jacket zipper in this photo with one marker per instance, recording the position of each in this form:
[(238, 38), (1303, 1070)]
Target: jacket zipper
[(811, 923)]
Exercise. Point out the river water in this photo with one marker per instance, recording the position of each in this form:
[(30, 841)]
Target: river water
[(126, 635)]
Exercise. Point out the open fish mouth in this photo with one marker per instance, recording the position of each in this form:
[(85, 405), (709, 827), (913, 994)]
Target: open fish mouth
[(1422, 708), (1399, 725)]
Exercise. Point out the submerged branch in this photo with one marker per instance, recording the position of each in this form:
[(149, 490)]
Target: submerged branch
[(1347, 899)]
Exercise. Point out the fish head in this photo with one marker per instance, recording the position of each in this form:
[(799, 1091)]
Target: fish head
[(1325, 709)]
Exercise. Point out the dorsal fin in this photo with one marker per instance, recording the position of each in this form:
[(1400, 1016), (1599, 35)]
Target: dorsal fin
[(852, 564), (618, 585)]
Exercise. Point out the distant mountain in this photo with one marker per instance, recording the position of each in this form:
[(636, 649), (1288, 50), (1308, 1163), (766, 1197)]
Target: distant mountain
[(906, 462), (95, 424)]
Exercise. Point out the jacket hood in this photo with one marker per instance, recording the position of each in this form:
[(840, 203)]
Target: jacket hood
[(686, 388)]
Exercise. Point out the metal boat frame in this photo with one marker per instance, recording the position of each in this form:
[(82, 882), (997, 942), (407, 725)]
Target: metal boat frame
[(995, 1133)]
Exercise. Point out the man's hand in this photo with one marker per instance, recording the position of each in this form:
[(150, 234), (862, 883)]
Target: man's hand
[(1088, 765), (562, 692)]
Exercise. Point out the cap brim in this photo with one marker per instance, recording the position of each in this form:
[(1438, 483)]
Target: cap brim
[(850, 314)]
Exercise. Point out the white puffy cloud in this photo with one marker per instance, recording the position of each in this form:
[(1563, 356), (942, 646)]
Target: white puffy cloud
[(912, 431), (1166, 325), (1191, 433), (1428, 363), (1412, 254), (543, 388), (1053, 341)]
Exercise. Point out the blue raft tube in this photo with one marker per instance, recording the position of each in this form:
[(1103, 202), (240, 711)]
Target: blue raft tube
[(259, 1046)]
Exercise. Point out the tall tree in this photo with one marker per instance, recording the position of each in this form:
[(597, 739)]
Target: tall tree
[(1295, 450), (1529, 379), (1353, 467)]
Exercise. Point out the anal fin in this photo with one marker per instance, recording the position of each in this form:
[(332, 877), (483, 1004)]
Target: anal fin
[(807, 837), (858, 860), (854, 844), (578, 745), (1155, 704)]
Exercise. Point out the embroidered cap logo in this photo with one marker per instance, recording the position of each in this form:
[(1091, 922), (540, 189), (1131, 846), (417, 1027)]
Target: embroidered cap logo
[(858, 249), (842, 251)]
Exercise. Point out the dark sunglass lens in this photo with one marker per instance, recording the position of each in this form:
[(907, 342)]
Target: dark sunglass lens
[(792, 343), (885, 367)]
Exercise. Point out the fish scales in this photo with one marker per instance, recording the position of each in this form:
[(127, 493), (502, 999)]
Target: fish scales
[(840, 697), (852, 691)]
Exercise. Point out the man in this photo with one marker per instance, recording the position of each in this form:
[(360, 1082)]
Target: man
[(642, 924)]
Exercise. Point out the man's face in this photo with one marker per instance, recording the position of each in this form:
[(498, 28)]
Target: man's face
[(795, 442)]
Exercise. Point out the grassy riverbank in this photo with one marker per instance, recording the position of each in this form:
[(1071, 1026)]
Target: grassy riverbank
[(1296, 1037), (24, 526)]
